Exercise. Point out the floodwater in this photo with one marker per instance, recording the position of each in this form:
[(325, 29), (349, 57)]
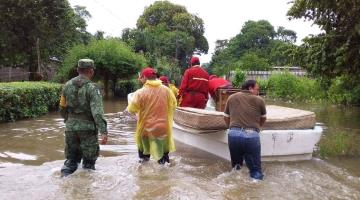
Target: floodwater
[(31, 155)]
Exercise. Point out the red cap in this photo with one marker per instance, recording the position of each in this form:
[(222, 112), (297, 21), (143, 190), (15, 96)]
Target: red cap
[(194, 60), (212, 76), (148, 73), (164, 80)]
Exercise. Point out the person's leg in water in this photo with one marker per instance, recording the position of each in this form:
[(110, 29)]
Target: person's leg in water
[(143, 158), (164, 159), (89, 145), (235, 142), (253, 157), (72, 153)]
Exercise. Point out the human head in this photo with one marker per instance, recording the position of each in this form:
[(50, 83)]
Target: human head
[(212, 77), (147, 74), (194, 61), (252, 86), (165, 81), (86, 67)]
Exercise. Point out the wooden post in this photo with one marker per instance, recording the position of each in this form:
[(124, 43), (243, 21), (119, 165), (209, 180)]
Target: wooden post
[(10, 74), (38, 54)]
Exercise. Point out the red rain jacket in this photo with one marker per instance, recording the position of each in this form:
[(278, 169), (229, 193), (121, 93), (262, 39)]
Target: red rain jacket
[(194, 88), (216, 83)]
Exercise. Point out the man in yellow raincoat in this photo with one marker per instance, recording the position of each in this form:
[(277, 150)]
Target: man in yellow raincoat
[(155, 104)]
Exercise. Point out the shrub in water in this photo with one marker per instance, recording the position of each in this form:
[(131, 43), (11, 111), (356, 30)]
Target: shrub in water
[(27, 99)]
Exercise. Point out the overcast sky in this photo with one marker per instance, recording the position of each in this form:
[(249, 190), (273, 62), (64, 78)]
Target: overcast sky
[(223, 19)]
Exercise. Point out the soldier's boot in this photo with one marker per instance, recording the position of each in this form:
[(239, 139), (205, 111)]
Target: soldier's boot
[(69, 167), (88, 164)]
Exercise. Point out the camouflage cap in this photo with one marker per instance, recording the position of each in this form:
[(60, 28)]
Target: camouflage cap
[(85, 63)]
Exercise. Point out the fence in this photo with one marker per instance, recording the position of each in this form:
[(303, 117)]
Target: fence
[(267, 74), (9, 74)]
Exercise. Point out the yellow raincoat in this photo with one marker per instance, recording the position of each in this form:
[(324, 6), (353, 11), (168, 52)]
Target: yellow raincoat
[(155, 104), (174, 89)]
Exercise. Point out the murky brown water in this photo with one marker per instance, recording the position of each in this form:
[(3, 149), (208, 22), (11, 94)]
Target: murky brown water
[(31, 154)]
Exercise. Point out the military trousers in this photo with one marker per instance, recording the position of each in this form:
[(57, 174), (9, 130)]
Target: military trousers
[(81, 145)]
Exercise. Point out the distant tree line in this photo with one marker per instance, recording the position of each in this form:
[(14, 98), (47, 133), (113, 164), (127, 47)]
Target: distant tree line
[(257, 47)]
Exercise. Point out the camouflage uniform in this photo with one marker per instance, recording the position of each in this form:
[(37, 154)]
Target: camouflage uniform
[(82, 108)]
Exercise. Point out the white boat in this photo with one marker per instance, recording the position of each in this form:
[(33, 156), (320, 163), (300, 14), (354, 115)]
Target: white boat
[(276, 144)]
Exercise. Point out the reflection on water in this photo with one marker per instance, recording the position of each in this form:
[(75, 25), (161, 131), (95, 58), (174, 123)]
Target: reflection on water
[(31, 154)]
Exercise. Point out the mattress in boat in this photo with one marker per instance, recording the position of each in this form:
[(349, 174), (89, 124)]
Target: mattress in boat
[(278, 118)]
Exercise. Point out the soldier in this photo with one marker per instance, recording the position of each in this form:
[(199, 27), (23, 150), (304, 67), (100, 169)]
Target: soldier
[(81, 107)]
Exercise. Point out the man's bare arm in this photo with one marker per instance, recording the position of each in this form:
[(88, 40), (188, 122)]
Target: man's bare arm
[(227, 121), (262, 120)]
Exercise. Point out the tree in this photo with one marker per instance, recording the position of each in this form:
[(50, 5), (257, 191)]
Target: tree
[(113, 60), (250, 61), (30, 29), (285, 35), (99, 35), (336, 51), (221, 45), (255, 38), (166, 29), (283, 53), (254, 35), (256, 47)]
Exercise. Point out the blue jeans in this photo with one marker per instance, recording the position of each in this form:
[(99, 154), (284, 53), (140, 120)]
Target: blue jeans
[(245, 145)]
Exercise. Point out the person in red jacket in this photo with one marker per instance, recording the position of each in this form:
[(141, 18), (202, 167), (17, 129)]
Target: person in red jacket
[(194, 86), (217, 83)]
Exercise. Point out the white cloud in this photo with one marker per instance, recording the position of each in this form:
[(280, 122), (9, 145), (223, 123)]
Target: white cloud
[(223, 19)]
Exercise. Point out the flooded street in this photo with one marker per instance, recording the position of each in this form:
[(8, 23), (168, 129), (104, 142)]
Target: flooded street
[(32, 153)]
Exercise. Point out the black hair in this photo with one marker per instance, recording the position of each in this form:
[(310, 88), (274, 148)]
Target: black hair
[(248, 84), (195, 63)]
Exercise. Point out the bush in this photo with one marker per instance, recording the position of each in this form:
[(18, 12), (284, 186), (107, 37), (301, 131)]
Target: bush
[(343, 91), (263, 84), (124, 87), (336, 144), (290, 87), (27, 99), (239, 78)]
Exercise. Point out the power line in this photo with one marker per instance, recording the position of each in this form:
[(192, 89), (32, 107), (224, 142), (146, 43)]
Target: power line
[(111, 13)]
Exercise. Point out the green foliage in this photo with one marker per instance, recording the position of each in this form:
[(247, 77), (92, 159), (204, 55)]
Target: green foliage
[(283, 53), (335, 52), (113, 60), (338, 144), (254, 35), (52, 25), (27, 99), (263, 85), (256, 47), (222, 62), (239, 78), (124, 87), (343, 91), (250, 61), (166, 29), (290, 87), (286, 35), (167, 68)]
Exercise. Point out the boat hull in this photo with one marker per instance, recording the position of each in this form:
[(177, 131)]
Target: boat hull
[(276, 145)]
